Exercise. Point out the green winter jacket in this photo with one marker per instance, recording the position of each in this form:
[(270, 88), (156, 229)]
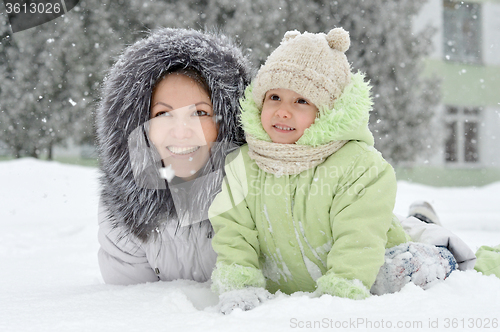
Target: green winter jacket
[(324, 229)]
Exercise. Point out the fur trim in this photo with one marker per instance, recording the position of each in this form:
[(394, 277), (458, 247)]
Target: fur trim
[(341, 287), (226, 278), (126, 97), (250, 117), (348, 120)]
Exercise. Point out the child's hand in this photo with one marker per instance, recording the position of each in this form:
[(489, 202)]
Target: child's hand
[(245, 299)]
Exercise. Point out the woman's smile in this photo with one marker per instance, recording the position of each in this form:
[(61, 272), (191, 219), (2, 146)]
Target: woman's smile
[(182, 150)]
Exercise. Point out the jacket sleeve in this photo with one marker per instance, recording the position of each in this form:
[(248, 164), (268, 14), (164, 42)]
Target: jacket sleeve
[(122, 261), (235, 241), (360, 216)]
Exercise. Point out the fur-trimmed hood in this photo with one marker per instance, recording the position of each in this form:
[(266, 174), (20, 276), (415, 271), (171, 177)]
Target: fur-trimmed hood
[(125, 105), (348, 120)]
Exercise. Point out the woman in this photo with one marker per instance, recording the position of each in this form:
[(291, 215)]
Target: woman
[(167, 119)]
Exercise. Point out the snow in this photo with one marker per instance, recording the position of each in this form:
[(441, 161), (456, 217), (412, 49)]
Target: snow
[(50, 280), (167, 173)]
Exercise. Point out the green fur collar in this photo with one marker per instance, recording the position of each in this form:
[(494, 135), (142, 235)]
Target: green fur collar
[(348, 120)]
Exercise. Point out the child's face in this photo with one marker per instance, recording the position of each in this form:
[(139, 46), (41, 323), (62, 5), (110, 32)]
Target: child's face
[(286, 114), (182, 125)]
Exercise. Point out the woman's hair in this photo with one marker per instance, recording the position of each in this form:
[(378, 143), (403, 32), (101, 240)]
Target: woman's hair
[(190, 72), (195, 76)]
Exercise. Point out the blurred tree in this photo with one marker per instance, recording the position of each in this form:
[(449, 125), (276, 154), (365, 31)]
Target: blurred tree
[(52, 72), (37, 103), (384, 46)]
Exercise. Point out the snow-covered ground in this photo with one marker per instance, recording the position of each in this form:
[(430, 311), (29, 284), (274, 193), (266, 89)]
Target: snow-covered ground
[(50, 280)]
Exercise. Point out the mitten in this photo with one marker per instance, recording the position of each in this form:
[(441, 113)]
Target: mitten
[(341, 287), (245, 299), (419, 263)]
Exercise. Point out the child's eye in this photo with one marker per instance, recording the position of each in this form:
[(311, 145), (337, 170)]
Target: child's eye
[(274, 97), (302, 101)]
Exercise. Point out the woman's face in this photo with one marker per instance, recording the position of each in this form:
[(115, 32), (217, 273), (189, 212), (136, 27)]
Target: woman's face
[(182, 125)]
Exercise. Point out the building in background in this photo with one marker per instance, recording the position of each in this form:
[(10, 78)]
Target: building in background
[(466, 58)]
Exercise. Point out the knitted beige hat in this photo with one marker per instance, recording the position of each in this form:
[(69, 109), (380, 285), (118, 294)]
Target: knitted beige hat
[(313, 65)]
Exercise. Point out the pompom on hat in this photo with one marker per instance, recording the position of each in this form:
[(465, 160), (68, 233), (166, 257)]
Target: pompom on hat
[(312, 65)]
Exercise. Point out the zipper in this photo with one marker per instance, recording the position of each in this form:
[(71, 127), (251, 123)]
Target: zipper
[(157, 254)]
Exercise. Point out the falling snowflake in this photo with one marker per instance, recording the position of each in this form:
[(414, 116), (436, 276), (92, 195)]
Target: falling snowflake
[(167, 173)]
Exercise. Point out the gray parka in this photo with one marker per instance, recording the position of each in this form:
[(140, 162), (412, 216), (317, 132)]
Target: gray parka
[(150, 229)]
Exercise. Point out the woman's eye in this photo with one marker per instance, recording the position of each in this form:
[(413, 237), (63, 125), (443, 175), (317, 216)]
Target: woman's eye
[(162, 113), (200, 113)]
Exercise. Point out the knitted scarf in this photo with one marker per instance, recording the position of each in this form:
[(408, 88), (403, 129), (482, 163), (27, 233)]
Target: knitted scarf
[(289, 159)]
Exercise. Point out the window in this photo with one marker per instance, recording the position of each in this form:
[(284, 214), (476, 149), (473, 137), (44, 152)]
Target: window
[(462, 31), (462, 134)]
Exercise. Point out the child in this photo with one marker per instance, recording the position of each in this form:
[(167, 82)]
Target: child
[(307, 204), (162, 105)]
